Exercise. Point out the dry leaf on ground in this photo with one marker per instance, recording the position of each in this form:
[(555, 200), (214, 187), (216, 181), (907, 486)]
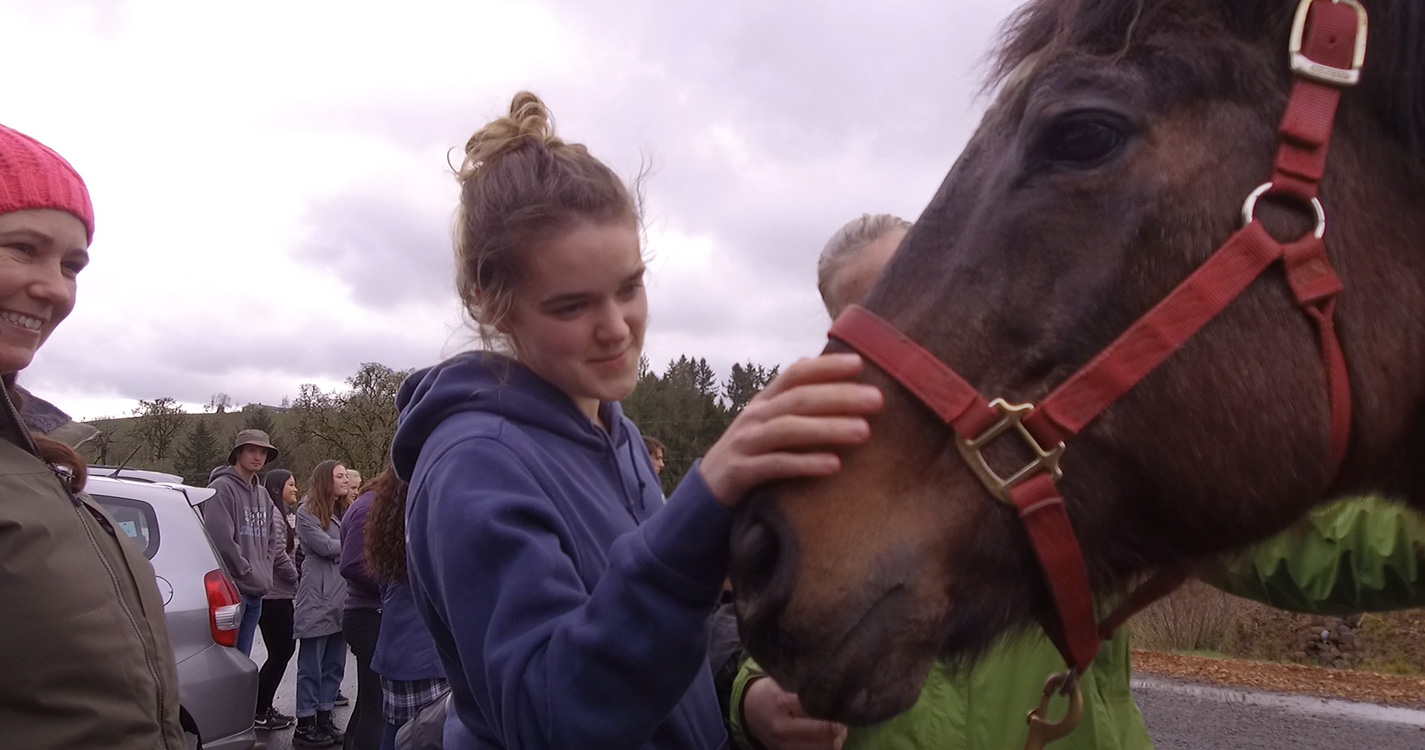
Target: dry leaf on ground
[(1366, 687)]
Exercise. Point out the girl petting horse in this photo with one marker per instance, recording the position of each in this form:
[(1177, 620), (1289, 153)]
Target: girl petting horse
[(568, 603)]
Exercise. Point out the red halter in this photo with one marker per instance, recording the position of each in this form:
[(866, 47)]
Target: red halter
[(1332, 58)]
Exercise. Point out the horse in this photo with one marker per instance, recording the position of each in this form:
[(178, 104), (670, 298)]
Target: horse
[(1115, 157)]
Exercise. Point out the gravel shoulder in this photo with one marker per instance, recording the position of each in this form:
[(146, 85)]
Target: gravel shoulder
[(1294, 679)]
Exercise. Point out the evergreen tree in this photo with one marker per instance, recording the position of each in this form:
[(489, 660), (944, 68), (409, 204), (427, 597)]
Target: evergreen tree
[(745, 382), (199, 453), (258, 418), (681, 409), (704, 379)]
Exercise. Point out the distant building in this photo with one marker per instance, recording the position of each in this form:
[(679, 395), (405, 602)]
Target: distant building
[(271, 409)]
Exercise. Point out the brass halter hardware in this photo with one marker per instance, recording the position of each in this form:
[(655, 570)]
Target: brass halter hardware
[(1041, 730), (1013, 418)]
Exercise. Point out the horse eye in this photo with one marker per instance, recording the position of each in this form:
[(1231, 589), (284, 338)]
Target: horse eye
[(1083, 141)]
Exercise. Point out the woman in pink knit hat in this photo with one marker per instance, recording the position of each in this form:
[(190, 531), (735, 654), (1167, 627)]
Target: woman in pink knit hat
[(87, 658)]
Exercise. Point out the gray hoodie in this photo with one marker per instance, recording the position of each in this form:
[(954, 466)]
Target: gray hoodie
[(239, 521)]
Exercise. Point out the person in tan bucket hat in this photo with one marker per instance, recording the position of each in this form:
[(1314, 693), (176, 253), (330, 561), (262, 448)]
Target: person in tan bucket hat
[(241, 524), (253, 437)]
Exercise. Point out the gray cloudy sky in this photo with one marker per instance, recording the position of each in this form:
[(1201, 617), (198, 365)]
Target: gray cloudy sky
[(274, 203)]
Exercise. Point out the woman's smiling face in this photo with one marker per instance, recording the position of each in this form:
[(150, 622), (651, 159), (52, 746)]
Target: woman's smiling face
[(42, 252)]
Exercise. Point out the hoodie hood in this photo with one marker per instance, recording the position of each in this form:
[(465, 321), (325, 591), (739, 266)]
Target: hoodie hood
[(493, 384), (230, 474)]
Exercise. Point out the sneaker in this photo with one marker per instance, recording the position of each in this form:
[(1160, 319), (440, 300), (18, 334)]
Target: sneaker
[(271, 720), (311, 735), (341, 700)]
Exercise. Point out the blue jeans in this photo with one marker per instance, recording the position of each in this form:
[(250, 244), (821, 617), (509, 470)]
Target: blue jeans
[(247, 626), (321, 663)]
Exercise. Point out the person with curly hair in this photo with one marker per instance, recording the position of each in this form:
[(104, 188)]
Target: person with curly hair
[(412, 680)]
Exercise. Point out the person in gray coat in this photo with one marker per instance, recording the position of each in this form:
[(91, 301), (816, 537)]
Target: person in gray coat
[(321, 597)]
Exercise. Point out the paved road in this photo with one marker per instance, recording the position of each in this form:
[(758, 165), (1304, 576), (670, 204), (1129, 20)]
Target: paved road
[(286, 700), (1181, 716)]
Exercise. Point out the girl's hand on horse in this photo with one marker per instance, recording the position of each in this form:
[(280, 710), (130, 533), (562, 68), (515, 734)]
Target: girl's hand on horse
[(811, 405), (776, 720)]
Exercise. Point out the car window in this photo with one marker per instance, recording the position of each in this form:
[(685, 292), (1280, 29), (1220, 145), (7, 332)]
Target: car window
[(135, 518)]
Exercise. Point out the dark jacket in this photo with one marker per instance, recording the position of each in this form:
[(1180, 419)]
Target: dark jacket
[(569, 606), (321, 592), (87, 662), (362, 591), (239, 521), (404, 648)]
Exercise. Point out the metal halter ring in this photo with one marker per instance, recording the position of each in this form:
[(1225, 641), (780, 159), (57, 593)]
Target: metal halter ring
[(1249, 208)]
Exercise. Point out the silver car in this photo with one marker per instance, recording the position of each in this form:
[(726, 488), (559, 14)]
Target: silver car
[(217, 684)]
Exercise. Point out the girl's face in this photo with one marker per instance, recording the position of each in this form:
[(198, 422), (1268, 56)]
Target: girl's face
[(289, 492), (340, 485), (579, 320), (42, 252)]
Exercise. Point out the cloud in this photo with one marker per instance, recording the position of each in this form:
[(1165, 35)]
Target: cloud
[(390, 251), (274, 199)]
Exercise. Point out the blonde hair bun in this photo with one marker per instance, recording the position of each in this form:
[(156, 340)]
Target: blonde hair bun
[(518, 183), (529, 121)]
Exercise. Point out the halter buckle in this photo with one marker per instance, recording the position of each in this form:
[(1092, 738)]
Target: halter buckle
[(1013, 417), (1307, 68)]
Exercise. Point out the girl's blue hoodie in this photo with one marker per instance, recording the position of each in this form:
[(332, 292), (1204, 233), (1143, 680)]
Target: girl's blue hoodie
[(569, 606)]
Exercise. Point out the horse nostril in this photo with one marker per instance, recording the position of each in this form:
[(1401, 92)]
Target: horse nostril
[(763, 567), (756, 555)]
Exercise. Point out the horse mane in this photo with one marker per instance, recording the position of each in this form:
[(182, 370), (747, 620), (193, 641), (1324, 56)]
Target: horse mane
[(1393, 81)]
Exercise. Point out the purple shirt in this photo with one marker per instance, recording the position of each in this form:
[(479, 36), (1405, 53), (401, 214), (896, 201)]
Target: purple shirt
[(362, 591)]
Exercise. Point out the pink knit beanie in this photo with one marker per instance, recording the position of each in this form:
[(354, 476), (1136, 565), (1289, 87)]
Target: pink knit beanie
[(33, 176)]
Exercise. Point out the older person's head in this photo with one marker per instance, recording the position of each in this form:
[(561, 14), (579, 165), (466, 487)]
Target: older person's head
[(853, 258)]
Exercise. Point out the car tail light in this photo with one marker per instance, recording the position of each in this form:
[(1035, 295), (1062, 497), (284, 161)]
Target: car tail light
[(224, 608)]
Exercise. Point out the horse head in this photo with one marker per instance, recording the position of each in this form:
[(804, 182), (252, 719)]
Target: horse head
[(1115, 158)]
